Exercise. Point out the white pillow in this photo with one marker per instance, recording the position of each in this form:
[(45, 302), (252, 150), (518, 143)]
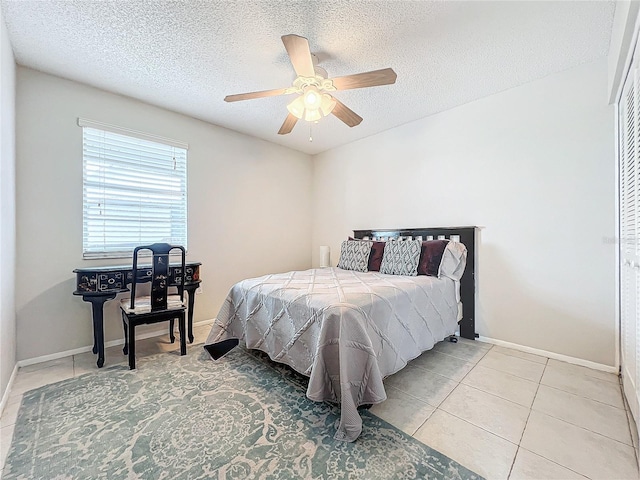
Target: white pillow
[(454, 259)]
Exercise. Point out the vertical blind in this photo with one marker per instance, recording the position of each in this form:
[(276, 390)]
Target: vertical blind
[(134, 193)]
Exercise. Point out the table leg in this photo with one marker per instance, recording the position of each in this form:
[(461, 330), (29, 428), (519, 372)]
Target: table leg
[(95, 339), (97, 312), (191, 290)]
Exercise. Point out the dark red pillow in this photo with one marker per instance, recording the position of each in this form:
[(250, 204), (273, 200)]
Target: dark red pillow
[(431, 256), (375, 256)]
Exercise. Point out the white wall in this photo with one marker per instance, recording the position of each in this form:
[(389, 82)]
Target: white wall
[(534, 166), (7, 209), (620, 47), (249, 207)]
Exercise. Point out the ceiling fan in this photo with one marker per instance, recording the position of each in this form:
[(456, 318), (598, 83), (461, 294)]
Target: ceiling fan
[(312, 86)]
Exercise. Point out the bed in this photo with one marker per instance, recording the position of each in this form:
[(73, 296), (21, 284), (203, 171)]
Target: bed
[(347, 330)]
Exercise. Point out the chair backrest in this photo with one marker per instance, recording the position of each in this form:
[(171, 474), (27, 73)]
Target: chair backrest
[(160, 274)]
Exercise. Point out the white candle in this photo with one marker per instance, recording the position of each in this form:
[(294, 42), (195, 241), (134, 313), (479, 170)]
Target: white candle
[(325, 256)]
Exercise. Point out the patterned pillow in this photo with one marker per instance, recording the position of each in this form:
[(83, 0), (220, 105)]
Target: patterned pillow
[(401, 258), (354, 255)]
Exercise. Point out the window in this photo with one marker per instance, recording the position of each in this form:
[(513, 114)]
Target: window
[(134, 190)]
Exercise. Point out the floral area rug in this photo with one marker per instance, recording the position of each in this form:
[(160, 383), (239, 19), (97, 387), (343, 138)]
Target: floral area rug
[(241, 417)]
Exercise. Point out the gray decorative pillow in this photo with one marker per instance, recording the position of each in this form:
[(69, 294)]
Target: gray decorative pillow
[(354, 255), (401, 258)]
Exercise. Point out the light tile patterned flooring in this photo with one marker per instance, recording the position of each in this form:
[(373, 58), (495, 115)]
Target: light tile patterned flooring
[(508, 414), (500, 412)]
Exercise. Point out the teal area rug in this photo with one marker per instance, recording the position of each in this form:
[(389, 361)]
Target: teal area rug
[(241, 417)]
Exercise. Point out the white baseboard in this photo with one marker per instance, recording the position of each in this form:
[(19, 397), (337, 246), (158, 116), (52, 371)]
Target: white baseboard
[(88, 348), (7, 391), (555, 356)]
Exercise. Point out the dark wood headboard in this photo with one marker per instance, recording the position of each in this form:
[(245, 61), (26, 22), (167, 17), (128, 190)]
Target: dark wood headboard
[(467, 236)]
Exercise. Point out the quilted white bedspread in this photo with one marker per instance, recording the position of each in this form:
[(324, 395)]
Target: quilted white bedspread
[(346, 330)]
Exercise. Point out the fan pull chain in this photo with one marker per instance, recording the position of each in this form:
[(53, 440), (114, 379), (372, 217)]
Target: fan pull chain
[(310, 136)]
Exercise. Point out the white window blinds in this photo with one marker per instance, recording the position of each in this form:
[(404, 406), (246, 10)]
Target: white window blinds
[(134, 193)]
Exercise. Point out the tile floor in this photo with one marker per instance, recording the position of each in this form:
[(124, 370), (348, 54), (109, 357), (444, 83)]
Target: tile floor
[(508, 414), (500, 412)]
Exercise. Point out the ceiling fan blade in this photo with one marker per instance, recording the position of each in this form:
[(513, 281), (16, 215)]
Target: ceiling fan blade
[(288, 124), (300, 55), (345, 114), (250, 95), (386, 76)]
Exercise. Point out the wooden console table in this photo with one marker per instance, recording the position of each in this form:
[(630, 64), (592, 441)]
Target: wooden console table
[(98, 285)]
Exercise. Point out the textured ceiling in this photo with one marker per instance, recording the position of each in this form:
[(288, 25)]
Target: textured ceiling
[(186, 56)]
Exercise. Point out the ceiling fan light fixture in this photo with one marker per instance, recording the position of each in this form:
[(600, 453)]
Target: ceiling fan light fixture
[(327, 105), (312, 115), (296, 108), (312, 98), (312, 105)]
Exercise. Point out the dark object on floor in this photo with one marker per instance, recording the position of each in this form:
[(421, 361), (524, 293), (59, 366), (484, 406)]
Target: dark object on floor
[(221, 348)]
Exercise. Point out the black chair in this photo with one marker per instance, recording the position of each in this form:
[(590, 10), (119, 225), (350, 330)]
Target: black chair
[(159, 306)]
